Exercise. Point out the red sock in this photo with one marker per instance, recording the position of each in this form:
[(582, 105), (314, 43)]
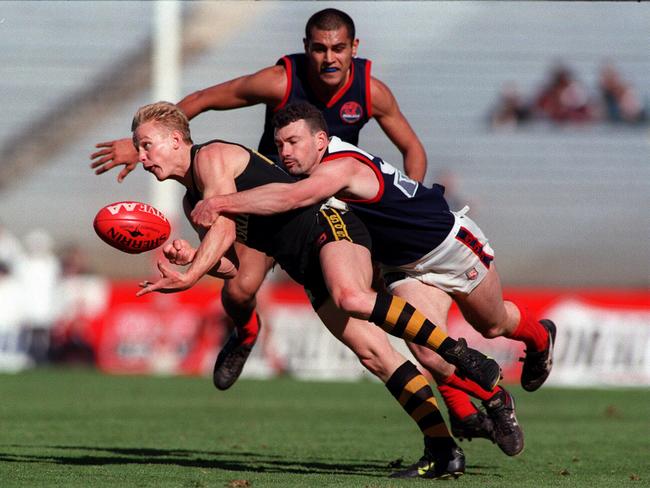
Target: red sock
[(250, 329), (530, 332), (457, 402), (470, 387)]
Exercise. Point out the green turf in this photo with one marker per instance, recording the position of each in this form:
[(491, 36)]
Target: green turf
[(80, 428)]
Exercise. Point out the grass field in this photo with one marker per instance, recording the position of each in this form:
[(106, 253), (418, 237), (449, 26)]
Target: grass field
[(80, 428)]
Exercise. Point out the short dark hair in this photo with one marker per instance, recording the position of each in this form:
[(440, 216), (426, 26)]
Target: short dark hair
[(300, 111), (330, 19)]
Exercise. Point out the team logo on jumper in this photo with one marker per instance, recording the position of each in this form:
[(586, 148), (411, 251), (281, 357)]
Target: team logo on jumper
[(351, 112)]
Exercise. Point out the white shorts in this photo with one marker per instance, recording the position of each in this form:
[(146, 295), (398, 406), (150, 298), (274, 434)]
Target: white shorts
[(457, 265)]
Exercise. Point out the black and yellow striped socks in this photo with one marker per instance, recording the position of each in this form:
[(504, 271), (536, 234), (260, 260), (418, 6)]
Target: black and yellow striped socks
[(412, 391), (401, 319)]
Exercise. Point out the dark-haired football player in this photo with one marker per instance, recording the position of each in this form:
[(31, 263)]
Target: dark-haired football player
[(429, 255), (326, 251)]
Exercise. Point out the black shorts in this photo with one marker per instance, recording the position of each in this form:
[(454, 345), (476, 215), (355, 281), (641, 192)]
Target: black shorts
[(332, 225)]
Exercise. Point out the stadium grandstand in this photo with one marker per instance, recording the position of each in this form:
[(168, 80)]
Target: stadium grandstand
[(563, 205)]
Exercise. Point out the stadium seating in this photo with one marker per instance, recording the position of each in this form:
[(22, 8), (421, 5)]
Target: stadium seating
[(561, 205)]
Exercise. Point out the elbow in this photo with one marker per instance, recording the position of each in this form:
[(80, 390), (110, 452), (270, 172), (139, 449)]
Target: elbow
[(193, 104)]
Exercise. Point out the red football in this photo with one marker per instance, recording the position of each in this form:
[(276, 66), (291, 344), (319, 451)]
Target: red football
[(132, 227)]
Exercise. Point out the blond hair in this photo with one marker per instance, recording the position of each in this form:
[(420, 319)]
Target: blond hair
[(166, 114)]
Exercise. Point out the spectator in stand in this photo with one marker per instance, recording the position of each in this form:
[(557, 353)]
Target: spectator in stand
[(621, 102), (84, 296), (39, 276), (11, 250), (510, 110), (13, 356), (564, 99)]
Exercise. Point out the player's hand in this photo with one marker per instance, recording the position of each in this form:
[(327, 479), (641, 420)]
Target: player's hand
[(204, 213), (171, 281), (115, 153), (179, 252)]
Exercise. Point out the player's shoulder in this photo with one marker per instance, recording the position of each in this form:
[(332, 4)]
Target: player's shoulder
[(275, 71), (222, 149), (379, 89), (382, 98), (338, 148), (225, 153)]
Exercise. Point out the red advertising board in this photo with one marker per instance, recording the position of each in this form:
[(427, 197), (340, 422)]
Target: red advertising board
[(603, 334), (159, 333)]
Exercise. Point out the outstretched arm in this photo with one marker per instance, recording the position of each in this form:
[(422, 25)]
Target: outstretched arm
[(389, 117), (266, 86), (214, 175), (274, 198)]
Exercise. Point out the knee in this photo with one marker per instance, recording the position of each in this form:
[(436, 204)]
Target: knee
[(373, 364), (238, 292), (488, 325), (380, 362), (490, 330), (353, 301)]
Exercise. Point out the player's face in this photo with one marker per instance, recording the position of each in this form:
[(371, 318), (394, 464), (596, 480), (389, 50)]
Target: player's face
[(330, 54), (155, 147), (298, 148)]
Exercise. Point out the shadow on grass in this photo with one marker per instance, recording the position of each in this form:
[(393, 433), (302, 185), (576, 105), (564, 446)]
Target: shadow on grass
[(237, 461), (257, 462)]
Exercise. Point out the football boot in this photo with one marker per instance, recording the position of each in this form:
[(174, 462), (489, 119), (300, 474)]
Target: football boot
[(507, 432), (538, 364), (439, 462), (473, 365)]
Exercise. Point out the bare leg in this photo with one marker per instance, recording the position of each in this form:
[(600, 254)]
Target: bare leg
[(369, 343), (500, 424), (347, 271), (485, 309), (443, 458)]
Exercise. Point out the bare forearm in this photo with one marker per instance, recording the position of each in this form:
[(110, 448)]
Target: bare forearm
[(201, 101), (225, 96), (192, 105), (214, 245), (269, 199), (227, 267), (415, 162)]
